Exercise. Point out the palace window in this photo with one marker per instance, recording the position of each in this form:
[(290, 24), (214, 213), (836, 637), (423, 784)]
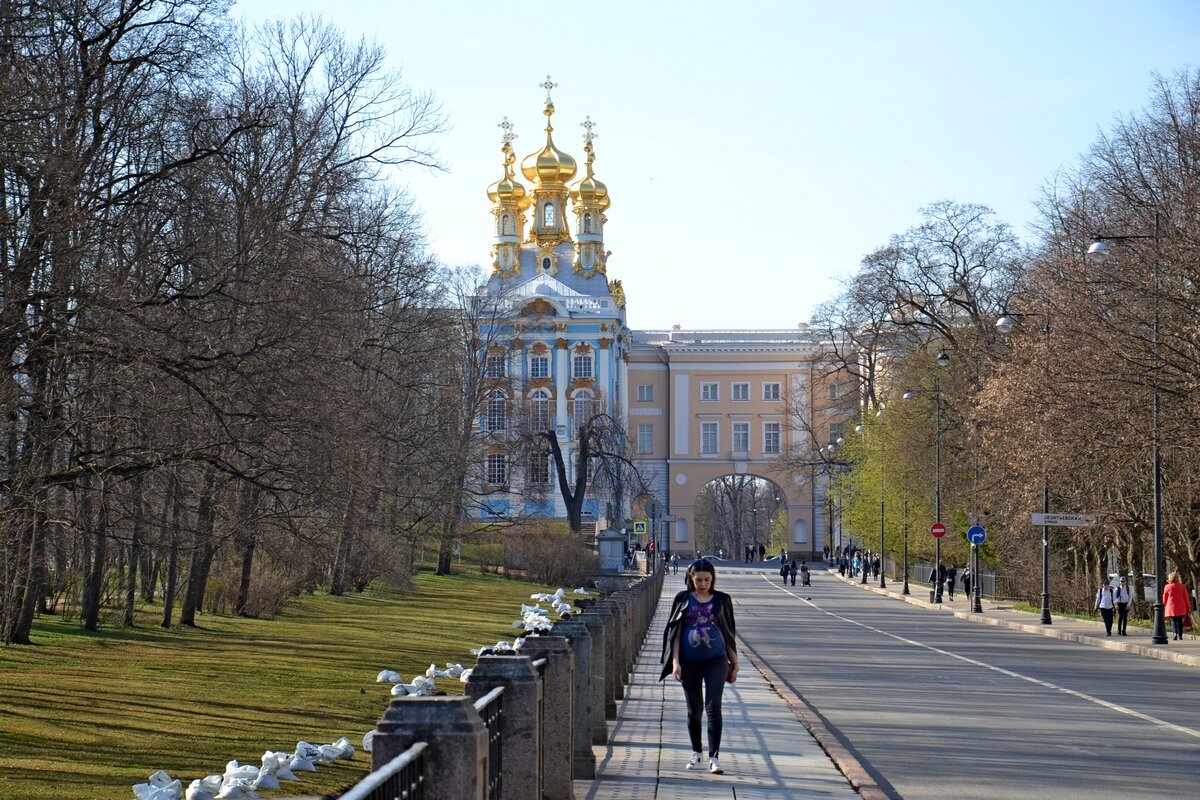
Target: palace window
[(835, 391), (587, 223), (645, 438), (539, 367), (497, 412), (584, 408), (506, 225), (581, 366), (539, 468), (836, 430), (741, 437), (546, 264), (770, 437), (496, 366), (497, 469), (710, 391), (741, 391), (645, 393), (771, 391), (548, 215), (539, 410), (708, 438)]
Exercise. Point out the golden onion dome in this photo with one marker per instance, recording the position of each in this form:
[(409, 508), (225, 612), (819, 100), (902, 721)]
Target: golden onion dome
[(507, 190), (548, 165), (589, 191)]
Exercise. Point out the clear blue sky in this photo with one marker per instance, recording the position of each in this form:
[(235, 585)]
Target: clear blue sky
[(756, 151)]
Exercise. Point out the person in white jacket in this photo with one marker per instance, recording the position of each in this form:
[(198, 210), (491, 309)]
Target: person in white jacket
[(1105, 603), (1122, 597)]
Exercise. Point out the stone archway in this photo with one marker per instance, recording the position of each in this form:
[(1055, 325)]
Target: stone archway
[(794, 496)]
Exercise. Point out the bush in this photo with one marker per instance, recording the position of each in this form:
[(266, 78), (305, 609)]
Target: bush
[(549, 557)]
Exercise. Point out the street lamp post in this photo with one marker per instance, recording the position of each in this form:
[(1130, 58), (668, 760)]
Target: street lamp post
[(942, 360), (882, 543), (905, 528), (1098, 253), (1004, 325)]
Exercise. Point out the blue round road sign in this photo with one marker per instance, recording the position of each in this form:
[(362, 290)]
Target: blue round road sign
[(976, 534)]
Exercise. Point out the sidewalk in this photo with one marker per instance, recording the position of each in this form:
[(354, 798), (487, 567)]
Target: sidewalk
[(765, 749), (1090, 632)]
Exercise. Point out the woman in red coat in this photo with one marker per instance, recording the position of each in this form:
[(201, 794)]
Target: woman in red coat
[(1176, 604)]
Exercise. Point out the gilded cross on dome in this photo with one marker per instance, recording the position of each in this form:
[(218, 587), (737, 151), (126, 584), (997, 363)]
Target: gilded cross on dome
[(548, 85), (587, 125), (507, 127)]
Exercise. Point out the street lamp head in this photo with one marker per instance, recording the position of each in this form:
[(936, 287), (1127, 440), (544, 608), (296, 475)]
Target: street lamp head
[(841, 441), (1004, 324), (1098, 252), (943, 359)]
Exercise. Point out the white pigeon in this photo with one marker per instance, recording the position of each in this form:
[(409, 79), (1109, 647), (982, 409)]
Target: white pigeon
[(466, 674), (159, 786), (388, 676), (204, 788)]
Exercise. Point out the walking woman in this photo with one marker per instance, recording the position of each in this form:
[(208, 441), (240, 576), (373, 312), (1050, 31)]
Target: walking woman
[(700, 651), (1176, 604)]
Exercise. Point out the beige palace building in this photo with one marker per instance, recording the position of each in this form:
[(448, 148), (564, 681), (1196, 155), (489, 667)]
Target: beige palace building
[(702, 404)]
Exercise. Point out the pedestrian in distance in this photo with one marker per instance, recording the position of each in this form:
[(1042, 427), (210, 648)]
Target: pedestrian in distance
[(804, 575), (951, 580), (793, 568), (1123, 596), (842, 566), (700, 651), (783, 571), (1176, 604), (675, 563), (966, 580), (1105, 603)]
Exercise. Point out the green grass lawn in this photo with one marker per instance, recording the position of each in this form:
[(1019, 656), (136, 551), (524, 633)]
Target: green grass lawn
[(87, 715)]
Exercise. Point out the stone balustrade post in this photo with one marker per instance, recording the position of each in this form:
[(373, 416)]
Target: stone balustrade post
[(583, 758), (456, 759), (558, 717), (603, 694), (522, 737), (612, 609)]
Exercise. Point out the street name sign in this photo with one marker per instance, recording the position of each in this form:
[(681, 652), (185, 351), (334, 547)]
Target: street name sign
[(938, 530), (1063, 520), (976, 534)]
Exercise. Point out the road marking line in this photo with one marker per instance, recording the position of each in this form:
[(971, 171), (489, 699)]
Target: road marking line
[(1045, 684)]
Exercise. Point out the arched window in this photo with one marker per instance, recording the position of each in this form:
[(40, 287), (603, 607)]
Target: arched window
[(539, 410), (548, 215), (546, 264), (587, 223), (584, 408), (497, 412), (506, 225)]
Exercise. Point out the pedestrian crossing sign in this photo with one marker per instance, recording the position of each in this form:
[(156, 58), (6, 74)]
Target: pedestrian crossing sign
[(639, 528)]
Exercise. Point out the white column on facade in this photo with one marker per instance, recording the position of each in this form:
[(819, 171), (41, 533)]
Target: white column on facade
[(799, 435), (604, 370), (561, 378), (681, 415), (622, 411)]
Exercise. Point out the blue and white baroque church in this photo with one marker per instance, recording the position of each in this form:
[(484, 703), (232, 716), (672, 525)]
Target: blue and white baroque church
[(560, 340), (696, 404)]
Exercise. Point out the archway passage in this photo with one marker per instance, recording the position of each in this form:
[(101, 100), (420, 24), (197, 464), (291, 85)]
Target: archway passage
[(740, 516)]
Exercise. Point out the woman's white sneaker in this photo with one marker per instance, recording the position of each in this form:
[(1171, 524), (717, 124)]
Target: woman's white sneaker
[(694, 761), (714, 766)]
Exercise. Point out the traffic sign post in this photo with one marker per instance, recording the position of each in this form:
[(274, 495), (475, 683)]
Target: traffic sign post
[(937, 530)]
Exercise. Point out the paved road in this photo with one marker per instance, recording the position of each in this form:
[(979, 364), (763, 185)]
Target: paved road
[(937, 707)]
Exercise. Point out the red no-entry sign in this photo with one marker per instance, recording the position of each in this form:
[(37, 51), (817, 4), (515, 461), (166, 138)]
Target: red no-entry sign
[(938, 530)]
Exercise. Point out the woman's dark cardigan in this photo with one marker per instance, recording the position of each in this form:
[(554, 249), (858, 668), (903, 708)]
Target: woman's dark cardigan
[(725, 623)]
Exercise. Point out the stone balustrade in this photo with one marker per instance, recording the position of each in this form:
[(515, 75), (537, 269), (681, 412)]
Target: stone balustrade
[(556, 696)]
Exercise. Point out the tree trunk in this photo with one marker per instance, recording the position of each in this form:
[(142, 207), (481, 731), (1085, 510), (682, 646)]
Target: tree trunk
[(135, 549), (249, 503), (337, 581), (203, 549), (175, 499)]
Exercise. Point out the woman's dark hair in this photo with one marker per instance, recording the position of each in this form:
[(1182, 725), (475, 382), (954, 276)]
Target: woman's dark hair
[(700, 565)]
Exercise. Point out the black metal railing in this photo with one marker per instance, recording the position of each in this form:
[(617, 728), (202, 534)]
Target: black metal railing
[(402, 778), (491, 708)]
